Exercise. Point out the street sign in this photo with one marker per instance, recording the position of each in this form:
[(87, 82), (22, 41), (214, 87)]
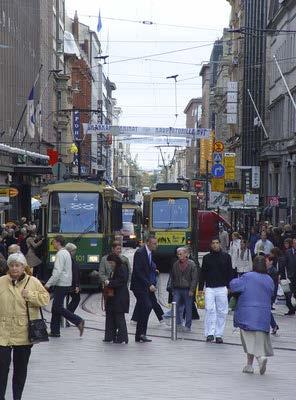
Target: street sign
[(229, 164), (218, 199), (218, 147), (4, 195), (218, 171), (273, 201), (198, 185), (217, 157), (13, 192), (217, 184)]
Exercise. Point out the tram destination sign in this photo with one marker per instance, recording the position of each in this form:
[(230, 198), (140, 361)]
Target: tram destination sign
[(192, 133)]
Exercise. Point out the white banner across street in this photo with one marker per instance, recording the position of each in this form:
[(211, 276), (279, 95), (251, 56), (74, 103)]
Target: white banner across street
[(198, 133)]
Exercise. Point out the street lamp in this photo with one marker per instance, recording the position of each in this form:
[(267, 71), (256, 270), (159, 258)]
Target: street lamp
[(101, 58), (175, 79)]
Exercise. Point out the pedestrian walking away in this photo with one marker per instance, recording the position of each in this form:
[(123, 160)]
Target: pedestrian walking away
[(142, 283), (252, 314), (184, 282), (117, 301), (288, 271), (216, 273), (74, 294), (17, 289), (61, 279)]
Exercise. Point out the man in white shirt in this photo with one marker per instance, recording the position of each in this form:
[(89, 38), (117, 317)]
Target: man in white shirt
[(224, 238), (263, 245), (61, 279)]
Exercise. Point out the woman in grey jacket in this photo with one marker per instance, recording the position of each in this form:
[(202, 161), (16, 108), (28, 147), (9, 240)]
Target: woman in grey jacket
[(184, 282)]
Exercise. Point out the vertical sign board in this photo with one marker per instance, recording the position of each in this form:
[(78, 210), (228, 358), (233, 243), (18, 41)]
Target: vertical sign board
[(255, 177), (76, 131), (229, 164)]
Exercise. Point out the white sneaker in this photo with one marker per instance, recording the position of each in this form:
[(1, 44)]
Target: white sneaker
[(262, 361), (248, 369)]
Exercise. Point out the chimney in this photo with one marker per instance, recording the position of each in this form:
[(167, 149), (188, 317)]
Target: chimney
[(75, 27)]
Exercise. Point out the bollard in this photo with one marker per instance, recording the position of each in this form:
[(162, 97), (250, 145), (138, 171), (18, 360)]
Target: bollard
[(174, 322)]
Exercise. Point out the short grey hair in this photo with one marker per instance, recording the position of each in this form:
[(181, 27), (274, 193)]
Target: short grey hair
[(14, 248), (70, 247), (17, 258), (184, 249)]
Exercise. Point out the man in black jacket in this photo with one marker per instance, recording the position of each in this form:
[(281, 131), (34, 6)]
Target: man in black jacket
[(289, 268), (142, 283), (216, 273)]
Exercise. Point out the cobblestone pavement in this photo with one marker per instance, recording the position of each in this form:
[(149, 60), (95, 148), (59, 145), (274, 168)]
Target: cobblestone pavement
[(75, 368)]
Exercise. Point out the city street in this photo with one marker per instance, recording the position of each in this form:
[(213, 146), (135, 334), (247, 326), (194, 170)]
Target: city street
[(87, 368)]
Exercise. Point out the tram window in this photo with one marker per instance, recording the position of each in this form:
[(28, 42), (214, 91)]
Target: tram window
[(116, 216), (170, 213), (74, 213)]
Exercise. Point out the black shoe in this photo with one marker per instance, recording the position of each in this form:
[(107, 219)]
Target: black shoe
[(219, 340), (143, 339), (210, 338), (107, 341), (120, 341), (290, 312), (274, 330), (54, 334)]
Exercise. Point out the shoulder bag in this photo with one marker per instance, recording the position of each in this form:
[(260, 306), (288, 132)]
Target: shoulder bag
[(37, 330), (285, 283)]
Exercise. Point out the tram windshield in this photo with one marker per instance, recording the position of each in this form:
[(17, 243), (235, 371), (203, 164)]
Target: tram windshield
[(128, 215), (74, 213), (170, 213)]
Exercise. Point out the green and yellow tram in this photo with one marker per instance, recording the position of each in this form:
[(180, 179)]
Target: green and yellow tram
[(170, 214), (86, 214), (132, 213)]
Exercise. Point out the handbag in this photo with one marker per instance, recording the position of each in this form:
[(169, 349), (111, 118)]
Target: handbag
[(200, 299), (285, 283), (37, 330)]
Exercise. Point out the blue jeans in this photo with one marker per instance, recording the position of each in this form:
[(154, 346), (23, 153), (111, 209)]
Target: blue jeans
[(182, 298)]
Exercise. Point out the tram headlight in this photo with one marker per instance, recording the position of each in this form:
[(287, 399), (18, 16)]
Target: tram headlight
[(52, 258), (93, 259), (133, 236)]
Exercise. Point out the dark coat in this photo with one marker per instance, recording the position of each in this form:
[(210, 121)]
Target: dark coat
[(75, 274), (141, 276), (290, 264), (119, 303)]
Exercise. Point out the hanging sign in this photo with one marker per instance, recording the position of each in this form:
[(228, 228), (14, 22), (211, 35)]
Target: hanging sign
[(229, 164)]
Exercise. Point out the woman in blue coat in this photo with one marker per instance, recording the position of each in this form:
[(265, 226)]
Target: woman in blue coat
[(252, 313)]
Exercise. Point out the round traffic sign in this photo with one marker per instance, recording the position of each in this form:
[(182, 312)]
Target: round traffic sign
[(218, 147), (198, 184), (218, 170)]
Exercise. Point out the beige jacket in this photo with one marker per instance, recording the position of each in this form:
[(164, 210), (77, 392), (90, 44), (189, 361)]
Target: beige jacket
[(13, 314), (32, 259)]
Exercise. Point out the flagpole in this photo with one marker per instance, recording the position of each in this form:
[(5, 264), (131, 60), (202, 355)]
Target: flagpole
[(25, 108)]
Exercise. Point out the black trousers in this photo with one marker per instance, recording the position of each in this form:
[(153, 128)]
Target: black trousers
[(115, 327), (288, 297), (155, 307), (58, 310), (21, 356), (74, 302), (144, 307)]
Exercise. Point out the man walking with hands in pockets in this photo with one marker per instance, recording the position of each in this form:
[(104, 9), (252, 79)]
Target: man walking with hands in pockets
[(142, 284), (216, 273)]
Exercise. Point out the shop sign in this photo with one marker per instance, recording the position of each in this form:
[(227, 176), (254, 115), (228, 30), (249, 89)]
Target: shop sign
[(251, 200)]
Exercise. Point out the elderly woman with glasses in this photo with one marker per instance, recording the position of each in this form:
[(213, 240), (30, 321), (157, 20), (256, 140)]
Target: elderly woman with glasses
[(17, 288)]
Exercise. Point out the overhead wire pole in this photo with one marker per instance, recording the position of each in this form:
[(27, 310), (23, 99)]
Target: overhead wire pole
[(258, 114), (176, 103), (285, 82)]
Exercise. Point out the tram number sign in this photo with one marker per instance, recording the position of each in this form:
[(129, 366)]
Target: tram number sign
[(218, 147)]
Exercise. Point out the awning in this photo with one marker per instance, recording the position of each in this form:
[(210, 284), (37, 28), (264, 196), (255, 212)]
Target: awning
[(33, 169), (16, 150)]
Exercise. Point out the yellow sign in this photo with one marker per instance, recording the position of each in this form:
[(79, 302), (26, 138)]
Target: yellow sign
[(171, 238), (217, 184), (4, 192), (218, 147), (235, 197), (13, 192), (205, 154), (229, 164)]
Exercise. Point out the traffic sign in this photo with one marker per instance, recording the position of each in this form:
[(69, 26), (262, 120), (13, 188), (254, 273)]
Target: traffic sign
[(217, 157), (217, 185), (218, 170), (218, 147), (198, 184)]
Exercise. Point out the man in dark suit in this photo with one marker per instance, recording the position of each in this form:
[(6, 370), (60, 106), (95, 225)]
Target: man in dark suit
[(290, 267), (142, 284)]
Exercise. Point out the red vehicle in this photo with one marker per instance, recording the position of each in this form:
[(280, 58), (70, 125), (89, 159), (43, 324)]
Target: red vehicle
[(209, 222)]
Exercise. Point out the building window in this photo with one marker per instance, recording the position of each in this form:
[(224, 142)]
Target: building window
[(276, 118)]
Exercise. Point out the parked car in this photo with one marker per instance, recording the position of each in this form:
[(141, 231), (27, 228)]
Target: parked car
[(129, 238)]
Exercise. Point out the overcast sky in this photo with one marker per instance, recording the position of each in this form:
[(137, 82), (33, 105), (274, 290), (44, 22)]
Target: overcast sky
[(146, 97)]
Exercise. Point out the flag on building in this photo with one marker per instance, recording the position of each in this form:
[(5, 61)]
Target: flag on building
[(38, 119), (30, 120), (99, 27)]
